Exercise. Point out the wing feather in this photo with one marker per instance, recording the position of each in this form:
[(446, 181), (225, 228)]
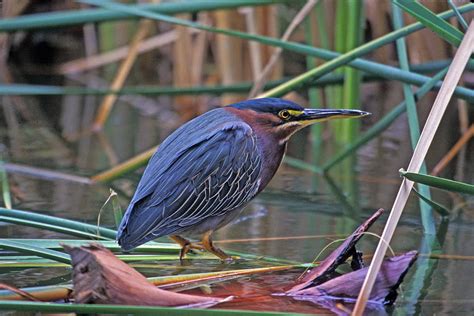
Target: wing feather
[(213, 175)]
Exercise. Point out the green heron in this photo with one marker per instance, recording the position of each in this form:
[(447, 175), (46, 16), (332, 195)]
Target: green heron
[(205, 172)]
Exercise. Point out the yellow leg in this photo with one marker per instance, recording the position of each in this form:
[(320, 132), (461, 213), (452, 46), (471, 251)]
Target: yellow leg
[(186, 245), (209, 246)]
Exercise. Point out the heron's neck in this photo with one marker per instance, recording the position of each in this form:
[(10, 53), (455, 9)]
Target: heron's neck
[(272, 153), (272, 145)]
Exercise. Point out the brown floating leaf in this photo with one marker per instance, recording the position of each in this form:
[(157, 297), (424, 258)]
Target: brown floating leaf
[(347, 286), (337, 257), (101, 278)]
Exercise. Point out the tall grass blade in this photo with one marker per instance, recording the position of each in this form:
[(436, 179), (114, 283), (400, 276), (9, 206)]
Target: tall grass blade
[(431, 21), (438, 182), (352, 78), (441, 209), (427, 218), (441, 102)]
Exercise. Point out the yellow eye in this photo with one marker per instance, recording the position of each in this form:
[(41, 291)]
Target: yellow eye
[(284, 114)]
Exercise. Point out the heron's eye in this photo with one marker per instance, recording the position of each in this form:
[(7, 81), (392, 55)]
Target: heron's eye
[(284, 114)]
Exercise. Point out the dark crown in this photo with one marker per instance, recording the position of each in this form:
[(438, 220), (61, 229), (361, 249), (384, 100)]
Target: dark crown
[(267, 105)]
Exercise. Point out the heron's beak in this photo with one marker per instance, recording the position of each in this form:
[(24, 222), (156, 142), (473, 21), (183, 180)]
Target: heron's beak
[(310, 116)]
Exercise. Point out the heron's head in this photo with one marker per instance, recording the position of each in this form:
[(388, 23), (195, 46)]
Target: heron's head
[(282, 118)]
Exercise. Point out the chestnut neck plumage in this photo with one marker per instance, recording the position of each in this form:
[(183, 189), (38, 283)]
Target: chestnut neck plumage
[(272, 138)]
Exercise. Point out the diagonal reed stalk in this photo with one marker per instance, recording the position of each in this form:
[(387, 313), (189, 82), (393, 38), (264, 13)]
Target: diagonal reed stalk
[(459, 17), (441, 102), (122, 74), (427, 218), (444, 29), (124, 167)]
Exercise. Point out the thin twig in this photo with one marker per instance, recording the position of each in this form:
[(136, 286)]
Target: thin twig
[(300, 16)]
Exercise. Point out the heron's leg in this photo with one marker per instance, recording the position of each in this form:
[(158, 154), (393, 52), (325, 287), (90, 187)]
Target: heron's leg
[(186, 245), (209, 246)]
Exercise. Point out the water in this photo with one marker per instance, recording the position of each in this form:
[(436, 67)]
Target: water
[(294, 218)]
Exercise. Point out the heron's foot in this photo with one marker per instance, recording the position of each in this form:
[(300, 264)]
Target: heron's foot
[(189, 248), (209, 246), (186, 246)]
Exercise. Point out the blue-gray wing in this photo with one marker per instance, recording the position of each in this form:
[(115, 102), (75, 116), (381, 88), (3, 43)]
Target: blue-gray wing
[(210, 177)]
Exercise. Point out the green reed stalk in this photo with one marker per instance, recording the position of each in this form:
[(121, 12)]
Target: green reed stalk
[(314, 98), (444, 29), (73, 17), (427, 218), (352, 83)]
